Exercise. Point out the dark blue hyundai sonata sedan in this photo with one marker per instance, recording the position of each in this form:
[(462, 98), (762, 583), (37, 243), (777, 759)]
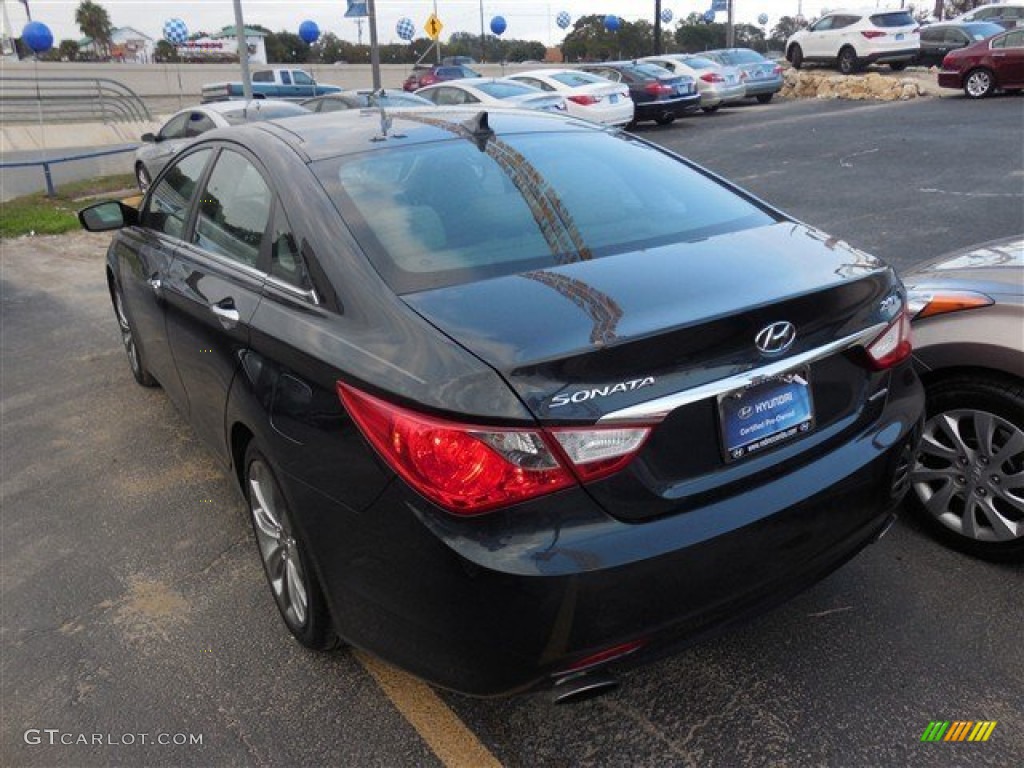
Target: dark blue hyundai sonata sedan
[(512, 397)]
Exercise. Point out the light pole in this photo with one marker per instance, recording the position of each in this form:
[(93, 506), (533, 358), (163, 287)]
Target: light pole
[(657, 27), (243, 51)]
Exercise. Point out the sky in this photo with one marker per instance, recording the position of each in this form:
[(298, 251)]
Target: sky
[(526, 19)]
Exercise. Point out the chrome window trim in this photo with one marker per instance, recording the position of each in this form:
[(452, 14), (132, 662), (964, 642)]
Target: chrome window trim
[(662, 406), (307, 294)]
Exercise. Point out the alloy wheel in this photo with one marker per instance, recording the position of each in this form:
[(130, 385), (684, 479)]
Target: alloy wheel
[(127, 337), (969, 474), (979, 84), (278, 548)]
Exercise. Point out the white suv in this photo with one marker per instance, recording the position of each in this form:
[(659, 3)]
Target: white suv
[(853, 39)]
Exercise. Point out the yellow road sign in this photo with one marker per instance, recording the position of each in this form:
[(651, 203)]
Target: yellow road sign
[(433, 27)]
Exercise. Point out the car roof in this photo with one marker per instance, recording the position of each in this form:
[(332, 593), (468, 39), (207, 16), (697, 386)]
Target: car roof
[(319, 136), (235, 104)]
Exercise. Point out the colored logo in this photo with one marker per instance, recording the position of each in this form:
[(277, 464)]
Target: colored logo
[(959, 730)]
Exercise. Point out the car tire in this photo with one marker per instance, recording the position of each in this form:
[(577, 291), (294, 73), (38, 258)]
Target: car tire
[(898, 66), (665, 119), (957, 490), (142, 177), (136, 360), (711, 110), (979, 83), (764, 98), (295, 587), (847, 61), (796, 56)]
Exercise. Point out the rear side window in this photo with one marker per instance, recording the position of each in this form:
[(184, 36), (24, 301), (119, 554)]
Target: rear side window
[(900, 19), (286, 78), (505, 90), (198, 123), (1010, 40), (234, 210), (446, 213), (168, 203), (573, 79), (266, 76)]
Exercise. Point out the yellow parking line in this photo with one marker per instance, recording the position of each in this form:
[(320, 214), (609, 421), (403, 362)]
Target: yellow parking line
[(447, 736)]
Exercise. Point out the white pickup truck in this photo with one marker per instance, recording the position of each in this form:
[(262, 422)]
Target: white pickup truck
[(277, 83)]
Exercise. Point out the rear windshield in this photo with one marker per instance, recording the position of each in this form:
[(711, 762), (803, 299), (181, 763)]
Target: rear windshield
[(446, 213), (696, 62), (574, 79), (650, 71), (252, 115), (979, 30), (506, 90), (896, 19), (741, 57)]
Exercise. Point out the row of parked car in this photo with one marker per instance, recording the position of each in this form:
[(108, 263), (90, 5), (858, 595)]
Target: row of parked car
[(975, 52)]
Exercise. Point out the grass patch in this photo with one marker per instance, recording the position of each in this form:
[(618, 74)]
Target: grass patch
[(55, 215)]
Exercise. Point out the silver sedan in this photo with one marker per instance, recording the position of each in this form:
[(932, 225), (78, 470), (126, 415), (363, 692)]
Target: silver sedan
[(186, 124), (968, 320)]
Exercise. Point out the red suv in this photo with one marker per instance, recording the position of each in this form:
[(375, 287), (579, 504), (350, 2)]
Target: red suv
[(421, 78)]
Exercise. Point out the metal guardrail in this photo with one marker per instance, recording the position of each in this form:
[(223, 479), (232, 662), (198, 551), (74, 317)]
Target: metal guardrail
[(69, 100), (51, 191)]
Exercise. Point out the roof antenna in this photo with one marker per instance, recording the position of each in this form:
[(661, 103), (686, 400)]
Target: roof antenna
[(479, 130)]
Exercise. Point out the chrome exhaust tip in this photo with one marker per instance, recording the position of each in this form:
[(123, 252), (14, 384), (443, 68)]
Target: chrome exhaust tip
[(582, 686)]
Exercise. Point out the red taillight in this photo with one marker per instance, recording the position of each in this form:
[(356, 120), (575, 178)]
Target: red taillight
[(947, 61), (584, 99), (470, 469), (871, 34), (658, 89), (893, 345), (777, 70), (712, 77)]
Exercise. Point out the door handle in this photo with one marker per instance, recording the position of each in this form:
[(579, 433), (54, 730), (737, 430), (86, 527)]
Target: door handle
[(226, 312), (156, 284)]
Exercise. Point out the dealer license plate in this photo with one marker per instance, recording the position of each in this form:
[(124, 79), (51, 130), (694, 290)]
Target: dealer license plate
[(899, 36), (613, 99), (764, 415)]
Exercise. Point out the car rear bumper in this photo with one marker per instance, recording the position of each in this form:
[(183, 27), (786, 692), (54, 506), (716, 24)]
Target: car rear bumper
[(723, 95), (652, 110), (889, 57), (761, 87), (511, 600), (949, 79)]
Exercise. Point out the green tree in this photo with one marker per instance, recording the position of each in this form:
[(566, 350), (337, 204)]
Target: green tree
[(286, 48), (94, 21), (68, 50), (590, 41), (166, 53), (694, 35), (783, 29)]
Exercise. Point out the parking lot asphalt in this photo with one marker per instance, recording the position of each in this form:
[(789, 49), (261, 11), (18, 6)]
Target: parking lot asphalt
[(133, 602)]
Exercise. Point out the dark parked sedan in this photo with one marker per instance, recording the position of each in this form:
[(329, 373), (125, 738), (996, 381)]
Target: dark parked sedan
[(986, 66), (968, 482), (939, 39), (658, 94), (511, 396)]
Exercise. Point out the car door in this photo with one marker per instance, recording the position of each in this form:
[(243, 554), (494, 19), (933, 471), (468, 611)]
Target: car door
[(1008, 59), (145, 265), (304, 85), (817, 43), (215, 284)]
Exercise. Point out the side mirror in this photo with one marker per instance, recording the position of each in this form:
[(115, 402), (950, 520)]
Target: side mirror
[(108, 215), (149, 137)]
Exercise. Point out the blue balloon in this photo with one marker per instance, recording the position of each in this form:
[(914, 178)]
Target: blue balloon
[(175, 32), (405, 29), (498, 25), (709, 16), (563, 19), (612, 23), (762, 19), (309, 32), (37, 36), (666, 15)]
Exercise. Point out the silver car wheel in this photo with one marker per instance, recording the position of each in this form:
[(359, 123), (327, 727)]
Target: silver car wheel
[(127, 338), (979, 84), (969, 474), (277, 545)]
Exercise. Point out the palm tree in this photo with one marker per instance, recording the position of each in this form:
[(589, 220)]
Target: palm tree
[(93, 20)]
